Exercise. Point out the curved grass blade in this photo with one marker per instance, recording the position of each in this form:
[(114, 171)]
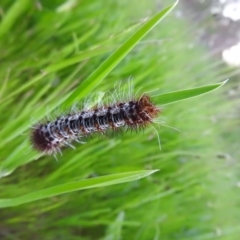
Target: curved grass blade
[(108, 65), (177, 96), (75, 186)]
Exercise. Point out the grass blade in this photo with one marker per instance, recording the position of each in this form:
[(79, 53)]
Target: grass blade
[(177, 96), (106, 67), (74, 186), (15, 12)]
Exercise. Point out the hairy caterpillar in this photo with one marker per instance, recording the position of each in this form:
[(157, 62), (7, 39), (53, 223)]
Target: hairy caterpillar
[(136, 113)]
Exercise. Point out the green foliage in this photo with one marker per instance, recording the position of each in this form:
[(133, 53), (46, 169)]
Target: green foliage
[(54, 53)]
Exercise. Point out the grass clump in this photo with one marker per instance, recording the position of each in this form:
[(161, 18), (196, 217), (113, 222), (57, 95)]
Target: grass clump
[(47, 57)]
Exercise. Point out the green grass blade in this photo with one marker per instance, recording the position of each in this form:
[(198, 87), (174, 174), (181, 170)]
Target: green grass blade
[(107, 66), (15, 12), (78, 185), (177, 96)]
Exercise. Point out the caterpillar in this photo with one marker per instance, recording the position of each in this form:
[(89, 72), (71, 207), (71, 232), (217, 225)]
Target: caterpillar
[(50, 137)]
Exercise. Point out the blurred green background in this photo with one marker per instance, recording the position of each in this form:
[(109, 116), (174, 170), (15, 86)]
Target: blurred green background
[(46, 49)]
